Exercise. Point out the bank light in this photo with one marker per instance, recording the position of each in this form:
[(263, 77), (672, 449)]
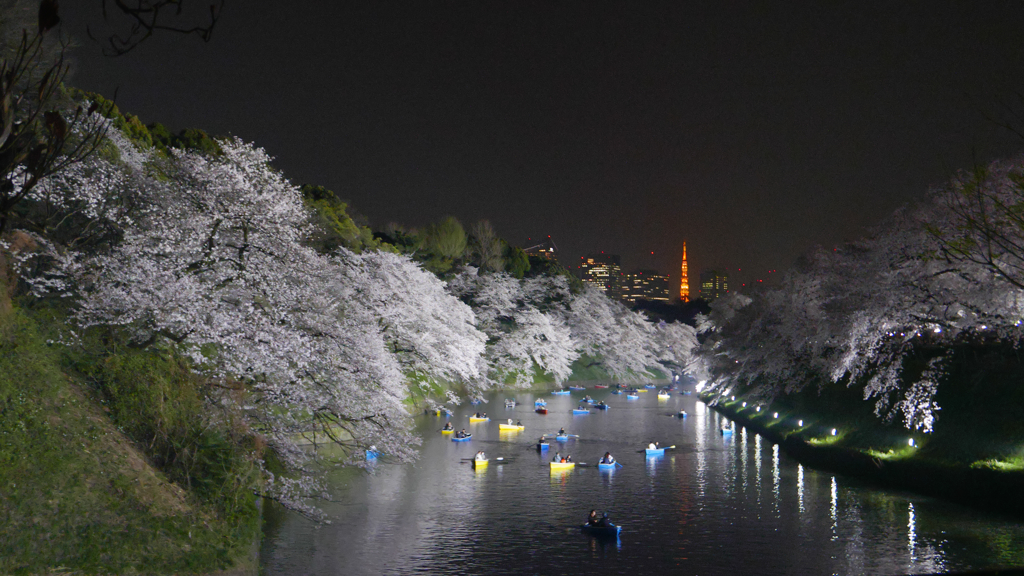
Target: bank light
[(776, 415), (758, 409), (910, 442), (799, 422), (744, 404), (833, 431)]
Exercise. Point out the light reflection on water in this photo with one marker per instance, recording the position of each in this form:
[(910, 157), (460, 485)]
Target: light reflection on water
[(697, 510)]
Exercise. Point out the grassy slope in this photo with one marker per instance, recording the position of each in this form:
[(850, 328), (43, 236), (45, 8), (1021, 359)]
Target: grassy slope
[(76, 494)]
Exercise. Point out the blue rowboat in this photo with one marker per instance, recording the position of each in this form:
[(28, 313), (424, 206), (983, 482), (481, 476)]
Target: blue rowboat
[(655, 452), (601, 406), (562, 438), (542, 446), (466, 439), (539, 402), (726, 431), (577, 411), (590, 400), (610, 530), (561, 392), (576, 388), (650, 386), (603, 466), (632, 396), (616, 391)]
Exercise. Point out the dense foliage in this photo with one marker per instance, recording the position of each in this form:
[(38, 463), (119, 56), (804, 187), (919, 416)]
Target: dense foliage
[(885, 313)]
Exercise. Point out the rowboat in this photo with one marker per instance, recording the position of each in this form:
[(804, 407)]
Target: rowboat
[(447, 431), (686, 392), (662, 396), (511, 427), (539, 402), (603, 466), (655, 452), (466, 439), (601, 406), (562, 465), (632, 396), (562, 438), (616, 391), (577, 388), (609, 530), (726, 431), (561, 392), (542, 446), (682, 414), (577, 411), (542, 410), (640, 390), (599, 386), (475, 419), (510, 403), (650, 386), (590, 400), (480, 464)]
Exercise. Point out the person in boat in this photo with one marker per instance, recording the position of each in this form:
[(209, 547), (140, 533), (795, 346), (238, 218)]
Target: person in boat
[(581, 407), (568, 458), (448, 426), (518, 422), (592, 518), (607, 458), (481, 456), (509, 421), (557, 458), (561, 431), (601, 403), (485, 415), (652, 446)]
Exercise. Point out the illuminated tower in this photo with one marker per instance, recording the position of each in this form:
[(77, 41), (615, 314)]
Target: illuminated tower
[(684, 280)]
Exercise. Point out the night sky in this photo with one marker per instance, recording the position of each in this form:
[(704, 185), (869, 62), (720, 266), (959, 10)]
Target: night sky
[(753, 131)]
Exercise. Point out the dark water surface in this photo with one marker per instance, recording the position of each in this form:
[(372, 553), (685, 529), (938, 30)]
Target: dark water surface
[(711, 506)]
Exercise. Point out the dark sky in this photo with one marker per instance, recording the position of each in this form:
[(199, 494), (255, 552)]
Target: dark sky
[(753, 131)]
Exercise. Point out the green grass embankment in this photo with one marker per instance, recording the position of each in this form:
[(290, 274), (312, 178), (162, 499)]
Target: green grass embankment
[(108, 464), (974, 455)]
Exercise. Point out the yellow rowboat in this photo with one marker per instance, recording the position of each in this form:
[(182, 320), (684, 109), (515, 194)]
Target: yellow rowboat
[(511, 427), (475, 419), (562, 466), (447, 431), (640, 390), (480, 464), (662, 396)]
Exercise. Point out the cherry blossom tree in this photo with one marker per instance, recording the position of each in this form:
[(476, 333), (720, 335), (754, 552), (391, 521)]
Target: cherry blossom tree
[(521, 335), (923, 282), (212, 257)]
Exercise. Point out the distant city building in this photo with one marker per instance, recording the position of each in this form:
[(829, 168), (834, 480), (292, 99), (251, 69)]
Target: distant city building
[(604, 272), (684, 280), (646, 285), (713, 284), (545, 249)]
